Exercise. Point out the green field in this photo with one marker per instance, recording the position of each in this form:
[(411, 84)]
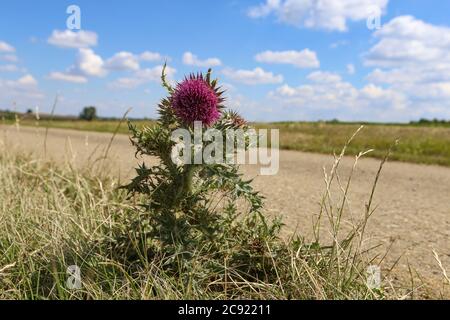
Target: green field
[(428, 144)]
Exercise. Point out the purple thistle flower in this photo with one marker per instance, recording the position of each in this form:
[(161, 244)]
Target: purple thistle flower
[(194, 100)]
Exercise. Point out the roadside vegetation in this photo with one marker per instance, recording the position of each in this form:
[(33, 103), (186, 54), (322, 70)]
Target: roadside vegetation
[(176, 231), (53, 217)]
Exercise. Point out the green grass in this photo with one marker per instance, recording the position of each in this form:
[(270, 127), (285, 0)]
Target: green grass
[(417, 144), (428, 144), (97, 126)]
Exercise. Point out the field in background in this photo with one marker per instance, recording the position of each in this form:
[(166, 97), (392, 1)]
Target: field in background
[(428, 144), (418, 144)]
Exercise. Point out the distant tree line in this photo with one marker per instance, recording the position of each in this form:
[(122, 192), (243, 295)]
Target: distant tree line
[(88, 113), (435, 121)]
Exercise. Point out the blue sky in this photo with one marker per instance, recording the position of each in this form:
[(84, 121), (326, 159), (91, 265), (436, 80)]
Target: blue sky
[(278, 59)]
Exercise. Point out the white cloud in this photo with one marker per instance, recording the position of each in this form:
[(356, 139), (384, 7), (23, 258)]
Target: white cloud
[(143, 76), (88, 63), (27, 81), (351, 69), (324, 77), (123, 61), (406, 40), (9, 58), (61, 76), (301, 59), (327, 94), (339, 43), (386, 100), (127, 82), (71, 39), (403, 76), (326, 91), (21, 89), (6, 47), (324, 14), (264, 9), (192, 60), (422, 82), (8, 68), (150, 56), (154, 74), (252, 77), (412, 58)]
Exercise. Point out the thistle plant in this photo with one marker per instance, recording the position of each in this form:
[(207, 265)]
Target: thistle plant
[(201, 211), (198, 233)]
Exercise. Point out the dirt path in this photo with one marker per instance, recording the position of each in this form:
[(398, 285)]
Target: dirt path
[(413, 200)]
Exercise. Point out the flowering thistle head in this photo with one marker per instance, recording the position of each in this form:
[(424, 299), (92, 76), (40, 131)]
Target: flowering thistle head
[(195, 100)]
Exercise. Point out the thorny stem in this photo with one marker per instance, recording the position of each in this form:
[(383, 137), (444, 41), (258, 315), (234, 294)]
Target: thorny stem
[(186, 185), (189, 171)]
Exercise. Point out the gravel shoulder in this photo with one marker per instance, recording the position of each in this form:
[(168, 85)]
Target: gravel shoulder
[(413, 201)]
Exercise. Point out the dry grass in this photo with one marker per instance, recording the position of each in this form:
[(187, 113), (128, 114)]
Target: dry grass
[(53, 217)]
